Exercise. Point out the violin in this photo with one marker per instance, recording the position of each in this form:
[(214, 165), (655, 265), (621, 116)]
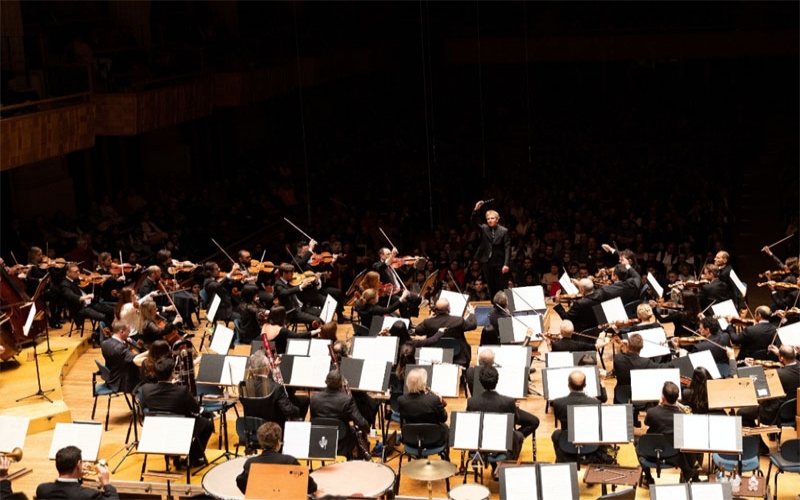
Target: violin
[(669, 305), (619, 324), (91, 279), (323, 258), (737, 320), (398, 262), (117, 269), (780, 273), (306, 277), (687, 341), (256, 266), (781, 285), (690, 284), (181, 267), (569, 297), (766, 363)]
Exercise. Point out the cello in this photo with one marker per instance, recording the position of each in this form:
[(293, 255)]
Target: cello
[(15, 303)]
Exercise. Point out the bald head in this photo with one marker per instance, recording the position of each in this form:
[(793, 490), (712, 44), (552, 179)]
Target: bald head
[(443, 306), (567, 328), (577, 381), (586, 285), (486, 357)]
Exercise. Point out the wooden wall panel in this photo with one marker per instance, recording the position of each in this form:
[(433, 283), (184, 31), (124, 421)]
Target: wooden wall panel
[(37, 136), (167, 106), (116, 114)]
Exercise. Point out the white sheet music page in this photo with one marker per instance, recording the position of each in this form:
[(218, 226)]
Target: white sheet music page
[(512, 380), (706, 360), (528, 298), (646, 385), (445, 380), (212, 309), (328, 309), (557, 381), (568, 286), (556, 481), (672, 492), (372, 373), (388, 321), (296, 438), (724, 308), (319, 348), (430, 355), (468, 425), (233, 370), (693, 431), (167, 435), (310, 372), (520, 482), (458, 302), (522, 323), (738, 283), (585, 424), (655, 340), (384, 348), (653, 282), (723, 433), (614, 310), (790, 334), (222, 339), (511, 355), (614, 423), (84, 436), (708, 491), (15, 429), (26, 328), (558, 359), (494, 432), (298, 347)]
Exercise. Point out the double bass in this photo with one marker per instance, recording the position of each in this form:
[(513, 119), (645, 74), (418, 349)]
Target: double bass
[(15, 304)]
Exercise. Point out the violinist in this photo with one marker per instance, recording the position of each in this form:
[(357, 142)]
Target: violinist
[(567, 342), (685, 321), (36, 273), (216, 283), (754, 340), (288, 295), (251, 313), (385, 270), (127, 310), (455, 327), (626, 283), (715, 290), (246, 270), (153, 327), (316, 295), (787, 298), (367, 306), (119, 359), (183, 299), (82, 305), (581, 312), (110, 288), (150, 288), (709, 329)]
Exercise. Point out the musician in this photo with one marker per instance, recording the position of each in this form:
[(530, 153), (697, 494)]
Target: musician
[(288, 295), (499, 310), (153, 327), (367, 306), (316, 295), (576, 383), (685, 322), (183, 299), (709, 329), (494, 250), (567, 342), (110, 288), (754, 340), (659, 420), (581, 312), (81, 304), (269, 437), (278, 334), (485, 358), (127, 310), (626, 284), (216, 286), (788, 298), (164, 396), (715, 291), (159, 349), (124, 374), (721, 259), (491, 401), (260, 383), (696, 395), (334, 402), (251, 314), (420, 406), (6, 492), (454, 328), (385, 270), (34, 276), (69, 464), (400, 330), (388, 276)]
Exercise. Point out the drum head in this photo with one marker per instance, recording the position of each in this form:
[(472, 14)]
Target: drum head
[(469, 492)]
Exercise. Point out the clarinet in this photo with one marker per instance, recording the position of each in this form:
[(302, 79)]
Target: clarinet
[(361, 439), (273, 367)]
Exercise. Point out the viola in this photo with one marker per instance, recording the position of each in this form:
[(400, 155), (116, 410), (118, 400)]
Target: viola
[(181, 267), (691, 283), (398, 262), (781, 285), (687, 341), (91, 279), (256, 267), (780, 273), (619, 324), (766, 363), (323, 258), (306, 277), (669, 305), (57, 263), (117, 269)]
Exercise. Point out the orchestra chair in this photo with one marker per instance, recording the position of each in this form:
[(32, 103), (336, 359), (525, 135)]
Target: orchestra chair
[(203, 298), (748, 461), (247, 432), (415, 438), (627, 494), (264, 407), (103, 389), (218, 408), (630, 308), (786, 459), (654, 450), (570, 450), (78, 322), (786, 416), (360, 330)]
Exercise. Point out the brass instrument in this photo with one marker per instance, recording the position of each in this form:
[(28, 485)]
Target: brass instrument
[(15, 455), (91, 468)]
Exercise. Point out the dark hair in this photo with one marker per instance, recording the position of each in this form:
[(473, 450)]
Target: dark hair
[(249, 292), (710, 323), (277, 315), (164, 368), (334, 380), (269, 435), (404, 357), (67, 459), (670, 392), (400, 330), (698, 397), (488, 377)]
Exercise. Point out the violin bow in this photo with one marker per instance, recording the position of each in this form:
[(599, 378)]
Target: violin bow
[(121, 266), (224, 252), (781, 323), (385, 236), (706, 309), (396, 276), (298, 229), (164, 289), (704, 338), (294, 259), (453, 280), (781, 241)]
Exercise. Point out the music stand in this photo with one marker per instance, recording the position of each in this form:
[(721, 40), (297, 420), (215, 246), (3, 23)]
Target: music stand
[(39, 289), (166, 435), (481, 433), (26, 330)]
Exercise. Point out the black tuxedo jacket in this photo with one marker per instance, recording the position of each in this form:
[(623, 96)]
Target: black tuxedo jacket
[(493, 248), (287, 294), (172, 398), (561, 406), (421, 408), (119, 361), (714, 291), (269, 457), (581, 312), (71, 294), (627, 361), (455, 328), (660, 419), (494, 402), (74, 491), (754, 338)]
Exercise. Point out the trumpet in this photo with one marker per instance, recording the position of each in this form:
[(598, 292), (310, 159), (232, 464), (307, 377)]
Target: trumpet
[(15, 455), (91, 468)]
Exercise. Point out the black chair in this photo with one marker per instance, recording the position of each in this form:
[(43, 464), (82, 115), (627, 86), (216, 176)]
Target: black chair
[(576, 454), (787, 459), (418, 442), (103, 389), (654, 450), (630, 308), (247, 432), (360, 330), (628, 494), (263, 407), (786, 415)]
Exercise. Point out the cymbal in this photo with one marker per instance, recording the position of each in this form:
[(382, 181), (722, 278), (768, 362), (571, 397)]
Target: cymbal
[(429, 470)]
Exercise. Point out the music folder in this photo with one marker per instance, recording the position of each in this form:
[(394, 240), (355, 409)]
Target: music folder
[(724, 308), (483, 431), (526, 298), (442, 378), (719, 433), (514, 330), (693, 491), (219, 369), (646, 385), (222, 339), (512, 382), (790, 334), (555, 381), (366, 374), (276, 482), (731, 393), (595, 424), (15, 429), (307, 347), (310, 442), (610, 311), (380, 323), (383, 348), (305, 371), (84, 435), (539, 481)]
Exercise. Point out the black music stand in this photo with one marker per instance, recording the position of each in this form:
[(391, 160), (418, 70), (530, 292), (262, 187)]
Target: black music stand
[(40, 392), (39, 289)]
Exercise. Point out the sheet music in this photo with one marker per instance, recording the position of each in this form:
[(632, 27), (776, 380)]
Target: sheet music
[(671, 491), (555, 380), (519, 482), (372, 375), (383, 348), (512, 381), (790, 334), (709, 491), (655, 340), (310, 371), (559, 359), (527, 298), (26, 328), (646, 385), (233, 370), (653, 282), (85, 436), (212, 309), (319, 348), (567, 285), (614, 423), (706, 360), (589, 429), (458, 302), (296, 438), (691, 431), (520, 325), (328, 309), (430, 355), (222, 339), (738, 283), (445, 380), (614, 310), (166, 435), (510, 355), (298, 347), (724, 308), (15, 429), (724, 433), (468, 425), (495, 431), (558, 481), (388, 321)]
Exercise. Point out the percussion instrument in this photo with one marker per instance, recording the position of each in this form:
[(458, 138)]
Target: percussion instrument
[(220, 481), (469, 492), (356, 478), (429, 470)]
